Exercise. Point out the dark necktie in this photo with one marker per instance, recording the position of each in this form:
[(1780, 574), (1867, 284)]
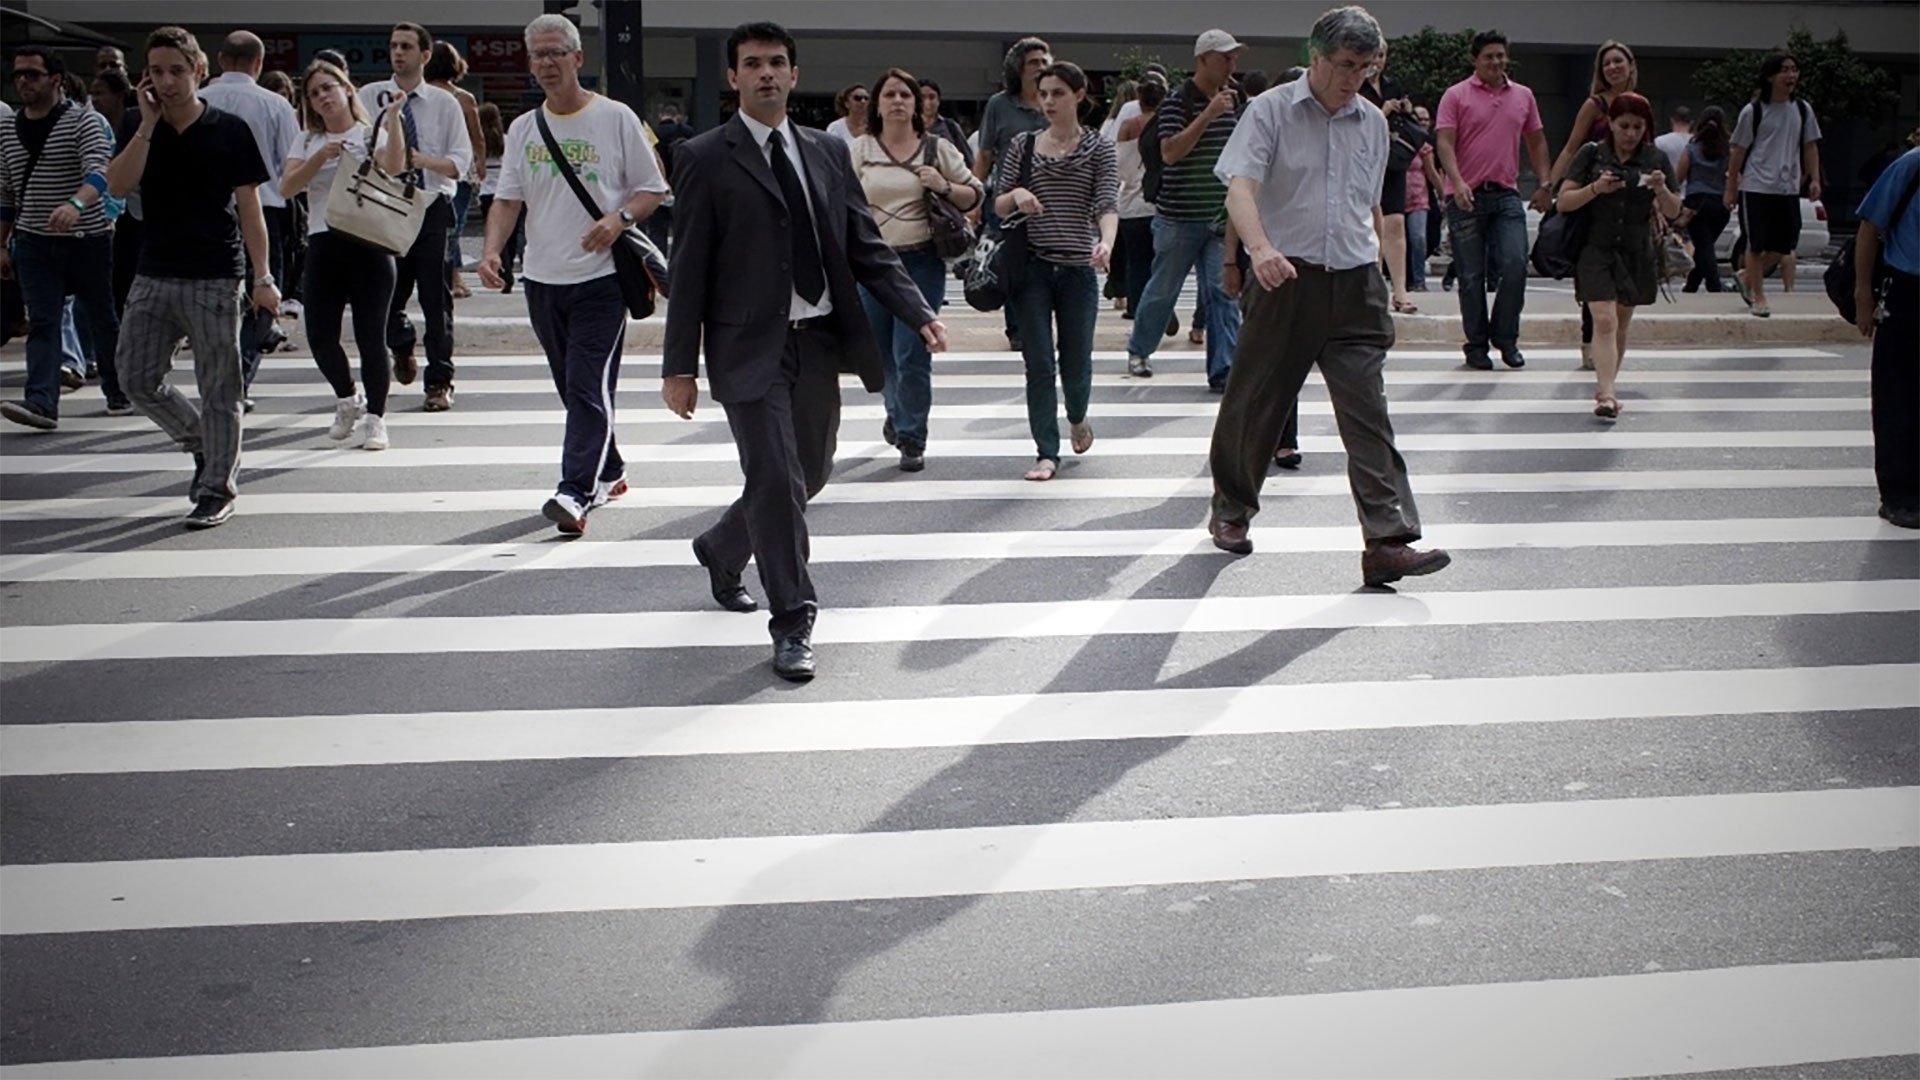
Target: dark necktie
[(412, 131), (809, 280)]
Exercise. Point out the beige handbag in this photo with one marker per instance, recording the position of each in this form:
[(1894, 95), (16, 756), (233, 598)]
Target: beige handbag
[(378, 210)]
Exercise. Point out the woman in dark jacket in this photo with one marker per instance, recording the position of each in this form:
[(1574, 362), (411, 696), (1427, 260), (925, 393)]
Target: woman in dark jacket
[(1619, 183)]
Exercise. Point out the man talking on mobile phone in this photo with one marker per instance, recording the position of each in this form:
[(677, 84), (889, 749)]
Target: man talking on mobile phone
[(198, 171)]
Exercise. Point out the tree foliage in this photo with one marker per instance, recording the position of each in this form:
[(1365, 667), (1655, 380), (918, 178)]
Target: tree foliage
[(1428, 61), (1134, 61), (1835, 81)]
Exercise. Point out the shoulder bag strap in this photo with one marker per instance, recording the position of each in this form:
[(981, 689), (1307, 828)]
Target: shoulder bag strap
[(929, 149), (564, 166), (33, 156)]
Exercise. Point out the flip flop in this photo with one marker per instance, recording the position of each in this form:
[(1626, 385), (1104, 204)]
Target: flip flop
[(1197, 336), (1406, 307), (1082, 437), (1043, 469)]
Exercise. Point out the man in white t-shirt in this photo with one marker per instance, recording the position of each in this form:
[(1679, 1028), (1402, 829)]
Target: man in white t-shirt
[(573, 293)]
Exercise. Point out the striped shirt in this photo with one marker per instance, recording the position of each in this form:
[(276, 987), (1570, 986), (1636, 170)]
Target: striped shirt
[(1189, 191), (77, 147), (1077, 190)]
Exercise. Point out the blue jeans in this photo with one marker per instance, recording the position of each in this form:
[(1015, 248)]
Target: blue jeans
[(1495, 231), (1416, 249), (1068, 297), (74, 352), (909, 389), (50, 269), (462, 198), (1180, 246)]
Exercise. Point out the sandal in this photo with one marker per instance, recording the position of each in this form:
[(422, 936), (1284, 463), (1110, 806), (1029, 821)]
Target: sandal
[(1197, 336), (1605, 407), (1406, 307), (1082, 438), (1760, 310), (1043, 469), (1287, 459)]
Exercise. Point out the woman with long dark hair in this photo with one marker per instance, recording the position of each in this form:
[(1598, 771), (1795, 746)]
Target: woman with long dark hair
[(445, 70), (493, 139), (1069, 202), (891, 162), (1615, 72), (1621, 183), (1702, 176)]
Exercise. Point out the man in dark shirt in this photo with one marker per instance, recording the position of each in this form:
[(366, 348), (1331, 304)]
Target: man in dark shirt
[(1193, 126), (198, 170)]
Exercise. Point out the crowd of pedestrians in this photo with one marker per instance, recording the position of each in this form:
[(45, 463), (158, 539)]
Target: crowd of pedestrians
[(1305, 211)]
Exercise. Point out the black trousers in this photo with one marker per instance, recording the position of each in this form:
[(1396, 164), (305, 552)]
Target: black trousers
[(786, 442), (341, 272), (1710, 217), (1896, 396), (425, 266), (581, 328)]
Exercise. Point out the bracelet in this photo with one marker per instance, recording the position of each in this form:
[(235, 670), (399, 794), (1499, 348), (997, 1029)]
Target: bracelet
[(74, 201)]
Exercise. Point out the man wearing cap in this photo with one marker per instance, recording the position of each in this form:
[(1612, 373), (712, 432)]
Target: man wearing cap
[(1193, 126)]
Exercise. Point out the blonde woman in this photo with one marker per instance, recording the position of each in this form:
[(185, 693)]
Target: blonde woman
[(340, 271), (891, 164)]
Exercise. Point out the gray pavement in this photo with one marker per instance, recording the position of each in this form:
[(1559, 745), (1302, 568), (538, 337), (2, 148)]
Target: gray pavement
[(382, 778)]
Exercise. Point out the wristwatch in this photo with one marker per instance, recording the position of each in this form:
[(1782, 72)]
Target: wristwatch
[(262, 280), (626, 217)]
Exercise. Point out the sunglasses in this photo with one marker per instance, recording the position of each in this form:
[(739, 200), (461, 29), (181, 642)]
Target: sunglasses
[(30, 74)]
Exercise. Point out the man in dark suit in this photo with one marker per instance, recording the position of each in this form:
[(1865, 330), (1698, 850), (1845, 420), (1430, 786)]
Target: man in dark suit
[(771, 233)]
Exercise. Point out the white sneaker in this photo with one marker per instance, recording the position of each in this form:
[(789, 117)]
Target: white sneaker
[(566, 513), (376, 432), (605, 491), (346, 413)]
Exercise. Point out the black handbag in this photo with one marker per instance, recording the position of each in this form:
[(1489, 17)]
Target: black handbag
[(1839, 278), (1556, 247), (952, 235), (993, 269), (1406, 137), (637, 260)]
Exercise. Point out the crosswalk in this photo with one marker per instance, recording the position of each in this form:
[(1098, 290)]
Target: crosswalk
[(382, 778)]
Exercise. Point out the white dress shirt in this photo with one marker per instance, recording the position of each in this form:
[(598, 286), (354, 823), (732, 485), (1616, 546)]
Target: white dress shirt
[(1316, 199), (441, 124), (268, 115), (799, 308)]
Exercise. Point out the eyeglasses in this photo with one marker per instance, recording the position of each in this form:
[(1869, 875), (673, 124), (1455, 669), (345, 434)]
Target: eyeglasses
[(1348, 69), (30, 74), (551, 54)]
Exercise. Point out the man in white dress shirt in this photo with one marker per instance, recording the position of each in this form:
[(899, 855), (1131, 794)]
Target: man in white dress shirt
[(439, 153), (274, 127), (1307, 217)]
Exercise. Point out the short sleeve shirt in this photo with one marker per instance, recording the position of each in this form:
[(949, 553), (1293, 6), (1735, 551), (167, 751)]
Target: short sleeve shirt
[(609, 153), (1773, 153), (1901, 239), (1004, 118), (192, 226), (1189, 191), (1488, 123), (1319, 173), (353, 150)]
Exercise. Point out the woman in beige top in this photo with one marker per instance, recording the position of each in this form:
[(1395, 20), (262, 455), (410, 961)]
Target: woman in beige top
[(892, 166)]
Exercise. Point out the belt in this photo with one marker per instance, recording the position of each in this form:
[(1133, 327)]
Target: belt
[(1490, 187), (811, 322)]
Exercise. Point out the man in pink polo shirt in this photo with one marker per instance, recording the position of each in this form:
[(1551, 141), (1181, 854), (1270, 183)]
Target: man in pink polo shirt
[(1482, 122)]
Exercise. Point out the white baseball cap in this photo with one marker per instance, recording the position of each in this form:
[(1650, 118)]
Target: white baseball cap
[(1215, 41)]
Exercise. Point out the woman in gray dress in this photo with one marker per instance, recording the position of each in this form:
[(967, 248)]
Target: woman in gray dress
[(1618, 183)]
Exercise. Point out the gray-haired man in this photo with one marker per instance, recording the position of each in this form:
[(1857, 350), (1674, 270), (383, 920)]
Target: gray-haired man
[(1307, 218)]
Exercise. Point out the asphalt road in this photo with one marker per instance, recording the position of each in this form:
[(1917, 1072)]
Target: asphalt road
[(383, 778)]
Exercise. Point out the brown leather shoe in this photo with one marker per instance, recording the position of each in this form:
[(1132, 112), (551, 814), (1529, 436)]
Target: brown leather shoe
[(1230, 536), (1386, 563), (406, 366)]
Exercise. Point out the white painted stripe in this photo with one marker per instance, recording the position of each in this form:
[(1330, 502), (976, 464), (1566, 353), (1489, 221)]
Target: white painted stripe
[(295, 363), (916, 547), (287, 742), (1562, 1029), (894, 490), (1141, 446), (645, 393), (423, 636), (1011, 412), (66, 898)]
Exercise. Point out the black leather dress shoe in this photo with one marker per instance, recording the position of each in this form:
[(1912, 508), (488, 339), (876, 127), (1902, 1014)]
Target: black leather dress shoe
[(725, 583), (1513, 358), (793, 657)]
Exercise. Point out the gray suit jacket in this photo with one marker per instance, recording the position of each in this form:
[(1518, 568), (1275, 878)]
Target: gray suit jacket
[(732, 285)]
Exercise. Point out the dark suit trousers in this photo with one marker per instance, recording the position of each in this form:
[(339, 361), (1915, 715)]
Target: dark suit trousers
[(1338, 321), (786, 442)]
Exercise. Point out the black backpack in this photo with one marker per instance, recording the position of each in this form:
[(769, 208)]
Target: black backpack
[(1839, 278), (1150, 160)]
